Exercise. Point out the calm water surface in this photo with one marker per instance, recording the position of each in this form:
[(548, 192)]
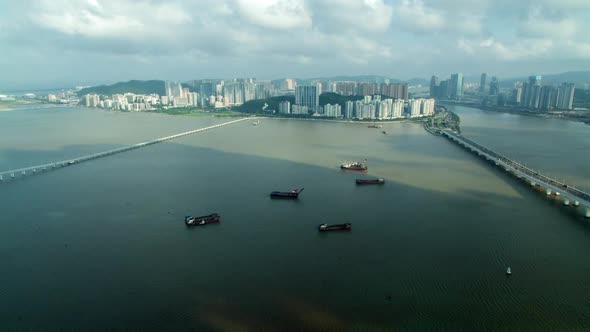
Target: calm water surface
[(102, 245)]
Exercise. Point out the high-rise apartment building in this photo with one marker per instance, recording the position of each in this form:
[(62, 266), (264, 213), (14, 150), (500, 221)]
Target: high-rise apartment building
[(482, 83), (173, 89), (349, 109), (548, 97), (531, 92), (457, 86), (565, 98), (434, 84), (307, 95), (285, 107), (494, 86)]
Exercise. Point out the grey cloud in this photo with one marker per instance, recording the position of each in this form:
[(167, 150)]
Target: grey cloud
[(274, 38)]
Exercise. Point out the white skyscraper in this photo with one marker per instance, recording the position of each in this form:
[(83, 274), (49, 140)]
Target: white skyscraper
[(414, 106), (349, 109)]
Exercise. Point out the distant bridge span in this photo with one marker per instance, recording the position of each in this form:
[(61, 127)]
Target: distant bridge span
[(38, 169)]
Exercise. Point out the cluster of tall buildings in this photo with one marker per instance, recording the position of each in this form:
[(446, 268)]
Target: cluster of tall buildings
[(220, 93), (448, 89), (532, 94), (370, 107), (123, 102), (63, 97)]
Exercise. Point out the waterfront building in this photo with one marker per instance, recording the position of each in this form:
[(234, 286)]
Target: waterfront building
[(548, 97), (285, 107), (397, 108), (332, 111), (414, 107), (531, 92), (307, 95), (349, 109), (299, 109), (427, 107), (565, 98)]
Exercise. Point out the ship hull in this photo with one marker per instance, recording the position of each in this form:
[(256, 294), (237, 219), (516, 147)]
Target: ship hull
[(331, 228), (203, 220)]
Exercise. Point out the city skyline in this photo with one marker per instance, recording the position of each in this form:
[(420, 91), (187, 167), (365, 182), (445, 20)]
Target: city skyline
[(100, 41)]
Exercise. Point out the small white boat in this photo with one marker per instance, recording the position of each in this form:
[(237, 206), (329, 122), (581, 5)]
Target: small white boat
[(508, 271), (256, 123)]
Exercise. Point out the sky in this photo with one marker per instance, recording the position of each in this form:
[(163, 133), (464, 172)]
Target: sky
[(44, 43)]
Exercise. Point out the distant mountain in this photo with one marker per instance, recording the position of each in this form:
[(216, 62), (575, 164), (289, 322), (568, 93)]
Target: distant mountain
[(363, 78), (577, 77), (139, 87)]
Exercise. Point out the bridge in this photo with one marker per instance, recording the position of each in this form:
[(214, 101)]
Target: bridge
[(38, 169), (568, 193)]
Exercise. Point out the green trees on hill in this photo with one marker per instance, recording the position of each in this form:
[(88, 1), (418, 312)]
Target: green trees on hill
[(256, 106), (139, 87)]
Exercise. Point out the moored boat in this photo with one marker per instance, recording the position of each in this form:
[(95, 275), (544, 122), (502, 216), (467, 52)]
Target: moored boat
[(370, 181), (286, 194), (355, 166), (339, 227), (202, 220), (375, 126)]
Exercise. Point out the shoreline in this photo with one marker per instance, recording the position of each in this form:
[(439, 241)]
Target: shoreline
[(522, 112)]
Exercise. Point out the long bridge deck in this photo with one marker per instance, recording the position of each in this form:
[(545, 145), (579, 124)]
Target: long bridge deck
[(14, 173), (567, 192)]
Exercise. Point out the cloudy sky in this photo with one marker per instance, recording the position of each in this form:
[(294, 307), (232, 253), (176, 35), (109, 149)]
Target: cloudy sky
[(47, 42)]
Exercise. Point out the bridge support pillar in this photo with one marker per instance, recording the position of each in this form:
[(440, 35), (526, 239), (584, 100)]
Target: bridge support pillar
[(1, 178), (576, 203), (557, 193), (12, 175), (587, 214), (548, 192), (533, 183), (566, 201), (24, 173)]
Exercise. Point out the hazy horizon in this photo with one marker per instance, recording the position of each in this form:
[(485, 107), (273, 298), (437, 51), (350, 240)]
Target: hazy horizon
[(55, 43)]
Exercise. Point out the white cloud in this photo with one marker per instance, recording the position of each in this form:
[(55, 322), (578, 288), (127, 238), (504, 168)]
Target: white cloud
[(362, 35), (275, 14), (413, 15)]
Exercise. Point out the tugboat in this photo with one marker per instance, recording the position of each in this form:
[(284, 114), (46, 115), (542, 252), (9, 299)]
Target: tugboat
[(203, 220), (375, 126), (286, 194), (370, 181), (339, 227), (355, 166)]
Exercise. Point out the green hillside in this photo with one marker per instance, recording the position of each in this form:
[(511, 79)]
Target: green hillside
[(256, 106), (139, 87)]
